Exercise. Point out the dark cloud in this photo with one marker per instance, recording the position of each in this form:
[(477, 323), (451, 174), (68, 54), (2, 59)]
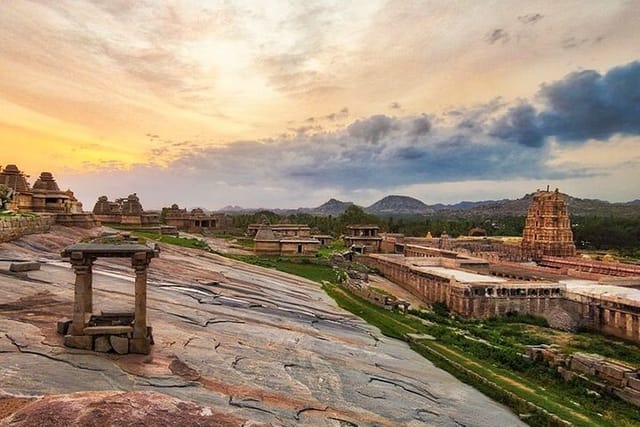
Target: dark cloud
[(373, 128), (584, 105), (519, 125), (587, 104), (497, 35), (531, 18), (420, 126)]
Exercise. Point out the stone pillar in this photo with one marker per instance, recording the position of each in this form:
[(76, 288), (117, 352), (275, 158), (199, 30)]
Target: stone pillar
[(140, 342), (88, 286), (82, 301)]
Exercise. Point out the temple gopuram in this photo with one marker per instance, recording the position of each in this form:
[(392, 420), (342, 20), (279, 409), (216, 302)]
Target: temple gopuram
[(547, 229)]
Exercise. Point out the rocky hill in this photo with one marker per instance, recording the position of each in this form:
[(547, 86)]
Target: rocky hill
[(405, 205), (518, 207), (399, 205), (331, 207)]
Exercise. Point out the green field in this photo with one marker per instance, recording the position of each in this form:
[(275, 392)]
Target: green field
[(488, 356)]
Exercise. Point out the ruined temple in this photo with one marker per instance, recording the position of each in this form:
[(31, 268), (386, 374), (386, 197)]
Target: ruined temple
[(126, 210), (195, 221), (45, 197), (547, 229), (270, 241), (363, 238)]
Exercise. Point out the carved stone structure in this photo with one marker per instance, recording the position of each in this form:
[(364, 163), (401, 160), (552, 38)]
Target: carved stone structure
[(547, 230), (124, 332), (363, 238), (474, 288), (283, 230), (269, 242), (196, 221), (45, 198), (127, 210)]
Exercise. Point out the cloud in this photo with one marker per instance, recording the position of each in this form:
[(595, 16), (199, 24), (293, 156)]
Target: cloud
[(496, 35), (531, 18), (495, 140), (373, 128), (587, 104), (519, 125), (584, 105)]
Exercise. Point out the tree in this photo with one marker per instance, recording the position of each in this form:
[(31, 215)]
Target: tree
[(6, 194)]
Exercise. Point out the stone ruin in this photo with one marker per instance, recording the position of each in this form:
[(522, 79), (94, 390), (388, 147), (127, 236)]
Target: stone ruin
[(45, 197), (126, 210), (194, 221), (123, 332)]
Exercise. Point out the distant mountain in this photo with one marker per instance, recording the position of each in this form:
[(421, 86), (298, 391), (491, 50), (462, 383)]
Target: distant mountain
[(404, 205), (399, 205), (332, 207), (519, 207), (235, 210)]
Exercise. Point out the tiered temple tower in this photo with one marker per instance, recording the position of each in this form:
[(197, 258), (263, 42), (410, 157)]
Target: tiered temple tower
[(547, 230)]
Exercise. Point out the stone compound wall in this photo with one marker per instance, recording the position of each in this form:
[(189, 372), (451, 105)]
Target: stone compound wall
[(12, 228)]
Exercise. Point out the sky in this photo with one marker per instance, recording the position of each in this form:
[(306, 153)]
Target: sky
[(290, 103)]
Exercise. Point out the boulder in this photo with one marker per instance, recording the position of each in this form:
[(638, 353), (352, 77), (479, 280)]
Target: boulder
[(63, 325), (20, 267), (102, 344), (119, 344), (83, 342)]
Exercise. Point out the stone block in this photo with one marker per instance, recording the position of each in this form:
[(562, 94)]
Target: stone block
[(18, 267), (63, 325), (139, 346), (79, 341), (102, 344), (120, 344), (107, 330), (634, 383)]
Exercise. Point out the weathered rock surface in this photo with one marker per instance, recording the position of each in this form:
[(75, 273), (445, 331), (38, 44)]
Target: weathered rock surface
[(257, 344), (109, 408)]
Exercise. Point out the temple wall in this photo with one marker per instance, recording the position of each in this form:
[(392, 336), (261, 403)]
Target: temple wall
[(109, 219), (562, 309), (267, 248), (291, 249), (578, 266), (12, 228), (83, 220)]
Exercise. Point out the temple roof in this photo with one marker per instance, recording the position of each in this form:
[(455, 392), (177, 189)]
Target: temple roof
[(46, 182), (265, 233)]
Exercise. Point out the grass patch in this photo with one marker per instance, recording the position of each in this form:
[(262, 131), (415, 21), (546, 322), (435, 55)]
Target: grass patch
[(335, 246), (245, 242), (304, 267), (192, 243), (381, 291)]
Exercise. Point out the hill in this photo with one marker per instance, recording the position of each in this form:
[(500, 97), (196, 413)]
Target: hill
[(518, 207), (399, 205), (331, 207)]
